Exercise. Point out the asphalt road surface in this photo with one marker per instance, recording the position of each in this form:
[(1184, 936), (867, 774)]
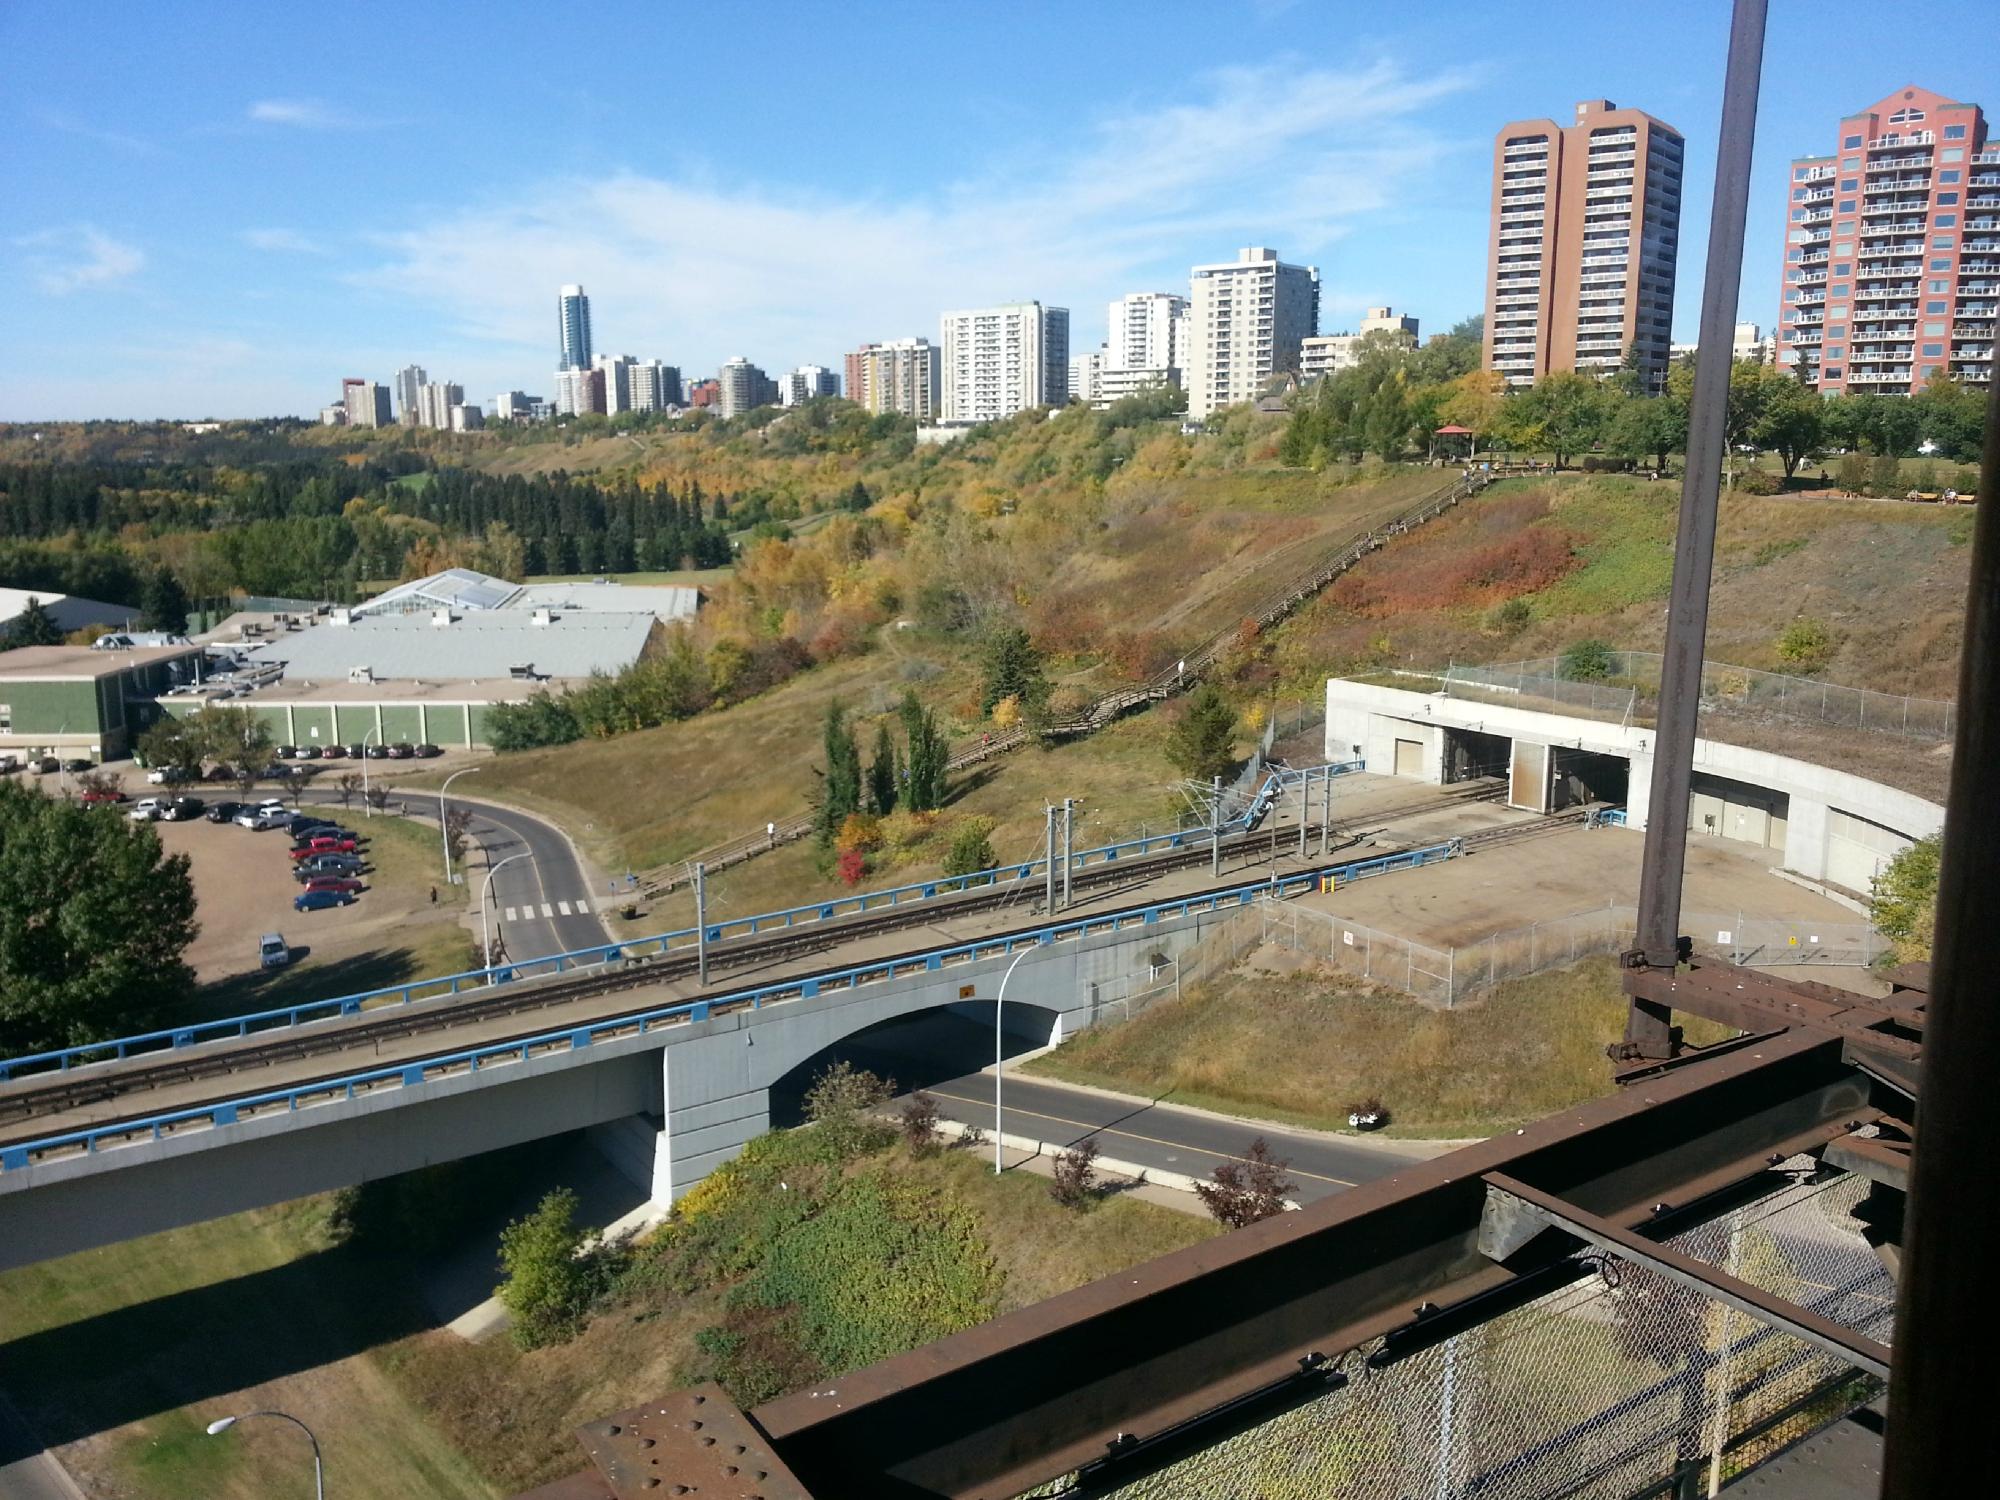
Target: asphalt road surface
[(943, 1054)]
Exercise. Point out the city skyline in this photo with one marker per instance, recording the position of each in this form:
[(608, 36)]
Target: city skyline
[(230, 250)]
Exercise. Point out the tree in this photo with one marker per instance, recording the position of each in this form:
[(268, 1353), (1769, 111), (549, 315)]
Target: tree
[(971, 848), (842, 1103), (883, 772), (919, 1124), (925, 756), (346, 785), (1903, 901), (840, 782), (94, 919), (175, 745), (1075, 1174), (1792, 422), (457, 826), (1587, 661), (1852, 475), (1652, 428), (1475, 401), (550, 1281), (1012, 669), (1248, 1190), (34, 626), (1885, 477), (233, 737), (1388, 422), (1202, 743), (163, 603), (1563, 412)]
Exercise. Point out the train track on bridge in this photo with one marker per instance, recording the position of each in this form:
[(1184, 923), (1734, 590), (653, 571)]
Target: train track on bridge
[(25, 1101)]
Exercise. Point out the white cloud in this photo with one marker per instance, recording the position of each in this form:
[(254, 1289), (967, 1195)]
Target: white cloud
[(282, 241), (117, 139), (80, 256), (306, 114), (695, 271)]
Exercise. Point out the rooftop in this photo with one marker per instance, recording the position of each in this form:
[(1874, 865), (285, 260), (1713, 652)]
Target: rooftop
[(70, 611), (470, 591), (476, 646), (82, 663)]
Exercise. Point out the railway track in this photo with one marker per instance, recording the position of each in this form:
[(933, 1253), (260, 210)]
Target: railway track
[(24, 1100)]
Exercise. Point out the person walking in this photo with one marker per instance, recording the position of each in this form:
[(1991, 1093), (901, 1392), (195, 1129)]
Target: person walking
[(434, 895)]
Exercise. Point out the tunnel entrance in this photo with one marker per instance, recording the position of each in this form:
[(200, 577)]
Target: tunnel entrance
[(922, 1051), (1585, 776), (1472, 755)]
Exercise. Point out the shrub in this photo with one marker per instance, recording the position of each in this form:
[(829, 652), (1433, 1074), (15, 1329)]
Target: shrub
[(550, 1281), (1007, 712), (1246, 1191), (919, 1124), (758, 1352), (1903, 901), (850, 865), (1851, 478), (1587, 661), (1757, 482), (903, 830), (971, 848), (862, 831), (1806, 645), (841, 1102), (1075, 1181), (1885, 478), (1508, 617)]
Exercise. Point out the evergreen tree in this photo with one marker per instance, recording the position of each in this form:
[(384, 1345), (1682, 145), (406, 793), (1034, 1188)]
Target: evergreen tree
[(840, 787), (883, 773), (1013, 669), (925, 756), (34, 626), (163, 605), (1203, 743)]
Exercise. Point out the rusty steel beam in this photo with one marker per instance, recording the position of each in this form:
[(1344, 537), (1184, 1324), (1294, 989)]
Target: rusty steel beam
[(1521, 1208), (1940, 1407), (1648, 1027), (1754, 1001)]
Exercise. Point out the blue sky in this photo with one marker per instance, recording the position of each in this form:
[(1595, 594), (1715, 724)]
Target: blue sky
[(222, 210)]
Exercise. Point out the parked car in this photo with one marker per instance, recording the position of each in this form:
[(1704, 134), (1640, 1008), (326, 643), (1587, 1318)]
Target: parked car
[(222, 812), (426, 752), (258, 819), (402, 750), (324, 846), (273, 952), (79, 765), (220, 774), (96, 796), (308, 752), (314, 865), (356, 751), (48, 765), (182, 809), (304, 823), (321, 900), (171, 775), (378, 752), (345, 884), (146, 809), (332, 752)]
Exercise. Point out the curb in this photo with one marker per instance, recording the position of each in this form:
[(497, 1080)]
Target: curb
[(1156, 1176)]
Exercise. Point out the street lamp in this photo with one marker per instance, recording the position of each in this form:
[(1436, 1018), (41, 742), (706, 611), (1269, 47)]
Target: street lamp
[(367, 808), (999, 1063), (486, 922), (444, 834), (223, 1424)]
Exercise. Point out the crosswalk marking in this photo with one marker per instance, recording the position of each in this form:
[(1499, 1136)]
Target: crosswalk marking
[(563, 907), (510, 914), (547, 910)]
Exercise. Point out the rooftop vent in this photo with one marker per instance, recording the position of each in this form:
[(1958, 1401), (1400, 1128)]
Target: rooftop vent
[(340, 617), (541, 617), (440, 618), (360, 674), (522, 671)]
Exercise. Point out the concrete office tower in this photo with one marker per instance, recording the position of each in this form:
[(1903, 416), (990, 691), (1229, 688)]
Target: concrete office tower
[(655, 386), (742, 386), (409, 381), (1246, 321), (1001, 360), (367, 403), (807, 383), (1586, 226), (1892, 250), (573, 329), (900, 376), (617, 370), (434, 404)]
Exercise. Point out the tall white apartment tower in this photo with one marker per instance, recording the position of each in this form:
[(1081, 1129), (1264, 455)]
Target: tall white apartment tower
[(1148, 331), (1246, 320), (617, 381), (573, 329), (1001, 360), (409, 381)]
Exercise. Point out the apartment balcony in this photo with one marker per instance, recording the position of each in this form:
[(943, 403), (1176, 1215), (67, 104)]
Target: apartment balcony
[(1818, 195), (1804, 341), (1879, 266), (1894, 226), (1980, 246), (1888, 290), (1920, 182), (1814, 258)]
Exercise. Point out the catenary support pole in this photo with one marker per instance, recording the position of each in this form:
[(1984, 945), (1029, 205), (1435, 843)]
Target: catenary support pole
[(1940, 1407), (1325, 810), (1069, 828), (1648, 1025), (1048, 859), (1305, 809), (701, 919), (1215, 827)]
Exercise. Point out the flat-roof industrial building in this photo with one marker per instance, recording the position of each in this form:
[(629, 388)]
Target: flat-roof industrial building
[(77, 700)]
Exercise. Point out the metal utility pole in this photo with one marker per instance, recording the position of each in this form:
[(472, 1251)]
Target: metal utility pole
[(1048, 859), (1069, 805), (1215, 827), (1325, 809), (1305, 809), (701, 919), (1648, 1025)]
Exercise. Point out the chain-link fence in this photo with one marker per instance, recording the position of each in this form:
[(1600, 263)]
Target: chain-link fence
[(1618, 1385), (1446, 975), (1626, 686)]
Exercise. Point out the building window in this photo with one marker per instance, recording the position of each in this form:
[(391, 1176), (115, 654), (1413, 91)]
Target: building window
[(1845, 206), (1941, 265), (1833, 373), (1945, 221), (1851, 143), (1933, 330), (1849, 184), (1947, 200), (1792, 295), (1954, 153), (1934, 351), (1843, 247), (1846, 226), (1835, 351), (1906, 116), (1936, 309), (1794, 254), (1952, 176), (1941, 242), (6, 718), (1841, 268), (1939, 286), (1837, 331), (1954, 132), (1853, 163), (1838, 289)]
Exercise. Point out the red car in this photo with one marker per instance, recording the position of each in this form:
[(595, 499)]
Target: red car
[(337, 883), (324, 846), (93, 797)]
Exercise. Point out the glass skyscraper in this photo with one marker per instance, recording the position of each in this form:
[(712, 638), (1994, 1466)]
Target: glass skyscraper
[(573, 317)]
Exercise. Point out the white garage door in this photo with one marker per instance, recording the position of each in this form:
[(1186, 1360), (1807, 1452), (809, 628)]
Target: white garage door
[(1857, 850), (1409, 757)]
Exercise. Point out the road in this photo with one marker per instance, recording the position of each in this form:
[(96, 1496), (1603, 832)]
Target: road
[(537, 905), (935, 1052)]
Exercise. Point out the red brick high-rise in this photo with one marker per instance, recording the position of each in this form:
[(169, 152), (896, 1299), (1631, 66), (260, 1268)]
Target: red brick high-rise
[(1892, 249)]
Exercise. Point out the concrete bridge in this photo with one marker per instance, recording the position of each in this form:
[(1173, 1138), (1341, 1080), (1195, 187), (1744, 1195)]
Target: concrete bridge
[(668, 1102)]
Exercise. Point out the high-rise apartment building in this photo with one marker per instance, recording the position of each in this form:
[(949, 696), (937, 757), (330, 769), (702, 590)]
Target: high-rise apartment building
[(807, 383), (434, 403), (617, 370), (1586, 227), (742, 386), (579, 392), (900, 376), (655, 386), (409, 381), (1246, 321), (367, 404), (515, 406), (573, 329), (1001, 360), (1892, 250), (465, 418), (1146, 331), (1086, 377)]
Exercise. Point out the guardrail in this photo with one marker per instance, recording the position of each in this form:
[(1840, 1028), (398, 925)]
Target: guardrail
[(444, 986), (803, 987)]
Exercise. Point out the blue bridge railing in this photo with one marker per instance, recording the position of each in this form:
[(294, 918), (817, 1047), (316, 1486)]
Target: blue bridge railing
[(804, 987), (444, 986)]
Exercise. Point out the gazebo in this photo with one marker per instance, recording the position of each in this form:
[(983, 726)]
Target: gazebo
[(1455, 442)]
